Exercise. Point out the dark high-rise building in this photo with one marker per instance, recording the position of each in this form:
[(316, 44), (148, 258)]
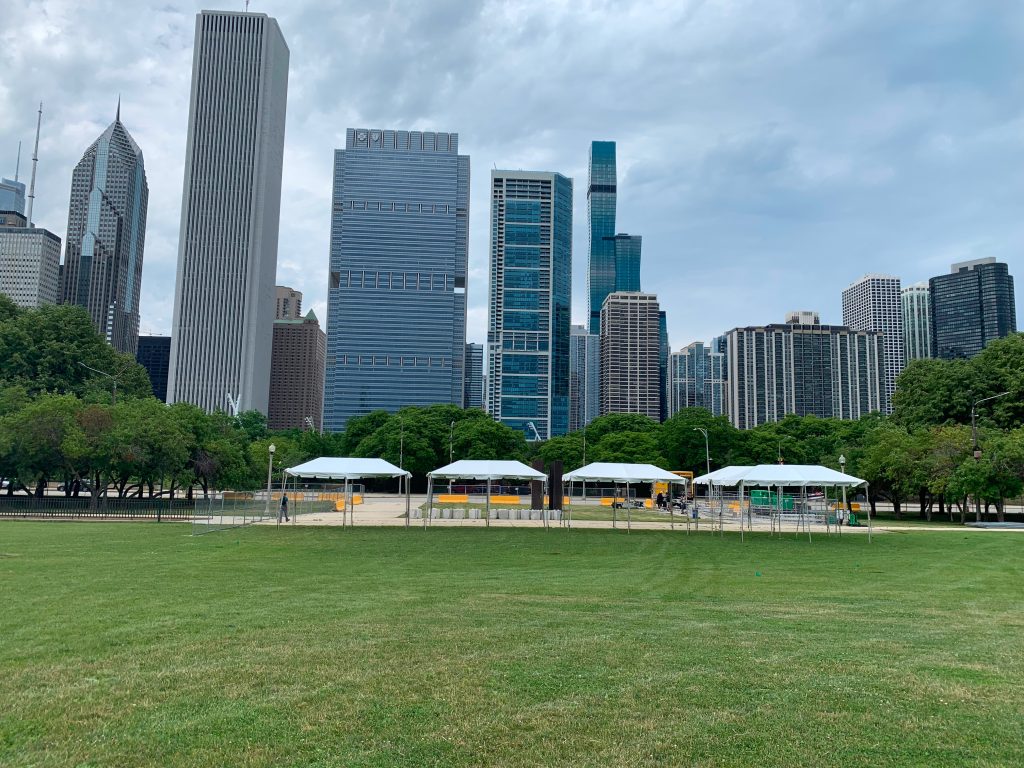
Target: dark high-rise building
[(614, 263), (107, 235), (697, 379), (631, 354), (822, 370), (296, 398), (396, 302), (970, 307), (584, 377), (474, 391), (154, 354), (230, 211), (529, 311), (664, 350)]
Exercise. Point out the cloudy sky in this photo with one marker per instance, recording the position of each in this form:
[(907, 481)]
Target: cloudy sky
[(770, 151)]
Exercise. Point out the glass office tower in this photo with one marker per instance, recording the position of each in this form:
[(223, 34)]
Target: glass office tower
[(530, 301), (107, 235), (396, 302), (601, 193), (971, 307)]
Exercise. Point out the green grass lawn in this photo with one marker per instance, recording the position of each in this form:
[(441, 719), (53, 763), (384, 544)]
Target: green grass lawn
[(134, 644)]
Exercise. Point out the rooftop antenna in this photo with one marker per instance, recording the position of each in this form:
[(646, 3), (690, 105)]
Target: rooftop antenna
[(17, 165), (35, 162), (246, 6), (118, 118)]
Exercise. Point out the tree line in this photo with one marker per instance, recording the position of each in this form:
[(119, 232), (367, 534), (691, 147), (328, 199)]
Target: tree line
[(59, 422)]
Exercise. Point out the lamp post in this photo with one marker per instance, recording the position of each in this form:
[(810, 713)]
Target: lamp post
[(270, 475), (974, 427), (451, 451), (113, 397), (584, 431), (842, 468)]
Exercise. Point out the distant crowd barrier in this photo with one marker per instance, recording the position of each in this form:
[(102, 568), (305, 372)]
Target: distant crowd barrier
[(102, 508), (553, 515)]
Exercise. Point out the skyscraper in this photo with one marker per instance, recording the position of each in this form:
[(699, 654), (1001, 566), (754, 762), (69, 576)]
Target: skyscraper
[(107, 235), (584, 377), (631, 354), (915, 304), (873, 304), (530, 295), (614, 258), (29, 262), (154, 354), (297, 374), (696, 379), (601, 199), (828, 371), (664, 350), (474, 390), (396, 302), (287, 303), (970, 307), (12, 196), (231, 205)]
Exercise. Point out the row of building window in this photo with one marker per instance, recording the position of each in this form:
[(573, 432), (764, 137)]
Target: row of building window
[(394, 281), (394, 207)]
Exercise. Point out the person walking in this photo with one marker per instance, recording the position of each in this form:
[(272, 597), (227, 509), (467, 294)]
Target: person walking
[(283, 510), (660, 500)]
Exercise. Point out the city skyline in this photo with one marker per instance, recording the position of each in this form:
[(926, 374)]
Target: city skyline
[(758, 183)]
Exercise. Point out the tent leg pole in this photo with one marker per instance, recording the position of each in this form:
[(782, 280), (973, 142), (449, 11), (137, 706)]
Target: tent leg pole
[(408, 501), (629, 510), (430, 501), (487, 512)]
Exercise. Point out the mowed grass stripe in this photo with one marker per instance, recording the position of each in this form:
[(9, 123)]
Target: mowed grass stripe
[(137, 644)]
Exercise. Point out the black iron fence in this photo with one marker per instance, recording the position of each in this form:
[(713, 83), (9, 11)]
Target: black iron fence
[(103, 508)]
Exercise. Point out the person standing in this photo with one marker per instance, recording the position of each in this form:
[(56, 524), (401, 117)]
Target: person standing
[(283, 510)]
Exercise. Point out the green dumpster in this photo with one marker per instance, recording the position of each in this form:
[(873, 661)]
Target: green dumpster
[(853, 520)]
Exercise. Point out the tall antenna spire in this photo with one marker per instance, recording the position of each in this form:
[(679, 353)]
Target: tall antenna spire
[(118, 118), (17, 165), (35, 162)]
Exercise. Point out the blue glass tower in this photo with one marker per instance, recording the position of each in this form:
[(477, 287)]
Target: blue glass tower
[(396, 312), (601, 193), (614, 258), (530, 301)]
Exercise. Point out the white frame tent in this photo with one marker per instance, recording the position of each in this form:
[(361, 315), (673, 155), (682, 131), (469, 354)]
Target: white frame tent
[(349, 469), (781, 476), (625, 474), (482, 469)]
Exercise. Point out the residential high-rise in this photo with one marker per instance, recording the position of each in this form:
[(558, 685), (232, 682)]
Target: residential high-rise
[(822, 370), (631, 354), (107, 235), (287, 304), (664, 350), (12, 196), (696, 379), (297, 374), (915, 304), (614, 263), (601, 200), (584, 377), (154, 354), (29, 262), (396, 302), (473, 396), (529, 307), (873, 304), (231, 205), (970, 307)]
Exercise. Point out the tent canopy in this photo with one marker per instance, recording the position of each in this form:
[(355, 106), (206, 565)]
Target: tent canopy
[(339, 468), (622, 473), (800, 475), (487, 469)]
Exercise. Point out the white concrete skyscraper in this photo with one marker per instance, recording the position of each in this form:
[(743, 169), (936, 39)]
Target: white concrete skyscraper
[(915, 301), (873, 304), (230, 210)]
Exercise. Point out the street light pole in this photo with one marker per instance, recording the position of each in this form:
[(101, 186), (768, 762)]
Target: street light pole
[(707, 454), (842, 468), (974, 427), (113, 397), (270, 476), (584, 461)]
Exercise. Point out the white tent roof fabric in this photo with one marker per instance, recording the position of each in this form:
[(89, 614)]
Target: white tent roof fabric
[(484, 469), (779, 474), (622, 473), (340, 468)]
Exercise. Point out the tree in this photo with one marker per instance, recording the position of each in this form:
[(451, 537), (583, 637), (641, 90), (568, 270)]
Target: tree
[(42, 350), (934, 392), (683, 445), (565, 448), (891, 466), (1000, 368), (42, 440), (620, 422), (145, 444), (629, 448)]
